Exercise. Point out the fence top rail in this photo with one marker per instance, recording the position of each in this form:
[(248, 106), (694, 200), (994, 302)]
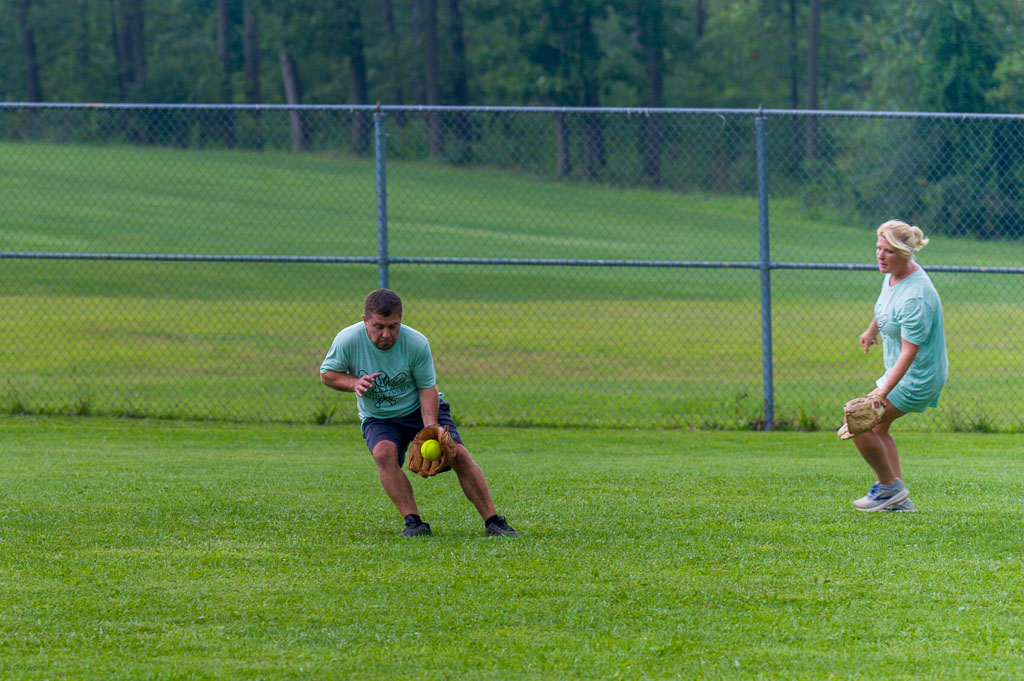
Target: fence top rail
[(541, 262), (629, 111)]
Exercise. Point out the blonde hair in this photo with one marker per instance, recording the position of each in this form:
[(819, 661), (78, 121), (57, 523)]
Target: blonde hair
[(905, 238)]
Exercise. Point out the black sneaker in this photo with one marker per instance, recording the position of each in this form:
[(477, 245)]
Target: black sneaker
[(414, 527), (499, 527)]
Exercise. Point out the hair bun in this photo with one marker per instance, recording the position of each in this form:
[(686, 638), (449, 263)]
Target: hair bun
[(903, 237), (919, 239)]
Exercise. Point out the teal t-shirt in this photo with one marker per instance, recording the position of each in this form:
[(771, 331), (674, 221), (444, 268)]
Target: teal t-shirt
[(912, 309), (405, 368)]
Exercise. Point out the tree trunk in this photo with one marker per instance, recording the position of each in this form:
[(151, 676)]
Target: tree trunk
[(83, 54), (415, 81), (650, 20), (793, 153), (251, 70), (562, 135), (28, 51), (293, 96), (135, 23), (224, 53), (224, 50), (128, 28), (460, 88), (813, 27), (394, 67), (432, 91), (357, 70), (461, 123), (700, 18), (794, 82), (593, 124), (251, 53), (120, 59), (395, 70)]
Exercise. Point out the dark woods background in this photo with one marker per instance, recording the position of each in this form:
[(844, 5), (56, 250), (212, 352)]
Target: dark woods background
[(942, 55)]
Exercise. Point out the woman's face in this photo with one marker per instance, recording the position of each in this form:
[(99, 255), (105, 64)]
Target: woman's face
[(890, 260)]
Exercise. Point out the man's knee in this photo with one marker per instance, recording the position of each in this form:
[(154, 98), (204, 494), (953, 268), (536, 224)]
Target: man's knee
[(462, 460), (385, 454)]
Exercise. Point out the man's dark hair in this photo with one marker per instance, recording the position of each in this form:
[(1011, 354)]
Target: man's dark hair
[(383, 302)]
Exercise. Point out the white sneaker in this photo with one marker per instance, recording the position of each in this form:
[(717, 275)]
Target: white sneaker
[(881, 496)]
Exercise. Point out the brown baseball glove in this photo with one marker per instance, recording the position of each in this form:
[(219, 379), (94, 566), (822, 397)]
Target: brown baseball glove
[(417, 464), (860, 415)]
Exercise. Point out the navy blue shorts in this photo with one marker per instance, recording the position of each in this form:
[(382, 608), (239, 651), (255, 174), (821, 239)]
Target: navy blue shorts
[(403, 430)]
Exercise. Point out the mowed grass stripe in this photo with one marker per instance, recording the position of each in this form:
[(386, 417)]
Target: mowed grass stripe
[(134, 549)]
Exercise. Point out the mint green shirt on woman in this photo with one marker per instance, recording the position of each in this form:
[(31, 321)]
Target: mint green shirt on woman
[(912, 310)]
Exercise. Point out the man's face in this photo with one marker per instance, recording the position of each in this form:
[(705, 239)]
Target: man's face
[(383, 331)]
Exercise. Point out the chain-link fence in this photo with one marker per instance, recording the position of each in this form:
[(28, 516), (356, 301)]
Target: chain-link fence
[(663, 268)]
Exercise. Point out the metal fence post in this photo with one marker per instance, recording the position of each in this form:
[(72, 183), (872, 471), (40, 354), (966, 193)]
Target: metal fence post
[(768, 413), (382, 200)]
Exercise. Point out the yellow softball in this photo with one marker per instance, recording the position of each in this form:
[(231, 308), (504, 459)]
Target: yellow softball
[(430, 450)]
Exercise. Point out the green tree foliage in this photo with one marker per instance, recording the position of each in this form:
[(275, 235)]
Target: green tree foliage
[(947, 55), (959, 57), (969, 181)]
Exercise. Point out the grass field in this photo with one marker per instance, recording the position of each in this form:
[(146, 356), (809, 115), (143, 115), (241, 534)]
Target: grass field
[(140, 549), (514, 345)]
